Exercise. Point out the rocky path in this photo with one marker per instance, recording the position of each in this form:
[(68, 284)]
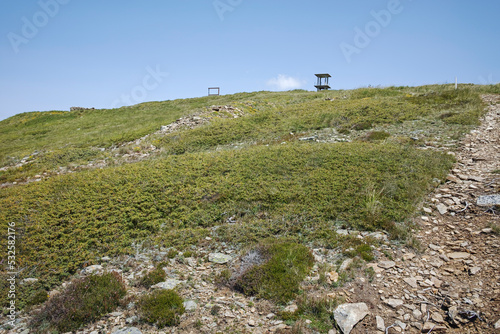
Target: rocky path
[(453, 284)]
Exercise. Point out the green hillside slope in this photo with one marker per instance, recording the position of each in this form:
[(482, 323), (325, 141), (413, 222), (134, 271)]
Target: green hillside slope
[(296, 165)]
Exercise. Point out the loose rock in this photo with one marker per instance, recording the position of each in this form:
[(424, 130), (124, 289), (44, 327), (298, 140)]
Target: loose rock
[(348, 315), (129, 330), (219, 258), (380, 323), (458, 255), (167, 285), (394, 303)]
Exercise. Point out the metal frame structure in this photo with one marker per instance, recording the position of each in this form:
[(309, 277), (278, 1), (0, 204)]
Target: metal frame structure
[(213, 88), (320, 85)]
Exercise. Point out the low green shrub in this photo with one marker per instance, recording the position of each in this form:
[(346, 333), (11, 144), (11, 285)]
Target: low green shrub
[(362, 126), (153, 277), (172, 253), (355, 247), (376, 135), (84, 300), (39, 297), (162, 307), (276, 270)]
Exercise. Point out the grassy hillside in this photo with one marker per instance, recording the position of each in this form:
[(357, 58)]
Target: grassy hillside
[(254, 169)]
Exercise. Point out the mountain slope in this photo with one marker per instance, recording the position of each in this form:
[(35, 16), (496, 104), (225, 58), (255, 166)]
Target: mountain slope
[(297, 165)]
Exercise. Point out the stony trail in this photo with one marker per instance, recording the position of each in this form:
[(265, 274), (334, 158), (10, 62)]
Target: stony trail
[(453, 284)]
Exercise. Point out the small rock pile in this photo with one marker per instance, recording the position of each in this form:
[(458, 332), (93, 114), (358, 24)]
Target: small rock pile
[(80, 109)]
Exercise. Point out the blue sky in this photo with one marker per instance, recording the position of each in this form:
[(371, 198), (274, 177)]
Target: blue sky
[(55, 54)]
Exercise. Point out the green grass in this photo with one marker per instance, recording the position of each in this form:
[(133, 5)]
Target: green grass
[(50, 140), (302, 191)]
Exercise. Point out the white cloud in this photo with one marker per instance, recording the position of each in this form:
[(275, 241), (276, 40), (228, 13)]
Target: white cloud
[(284, 82)]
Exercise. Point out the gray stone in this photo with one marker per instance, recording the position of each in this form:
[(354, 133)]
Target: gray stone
[(190, 261), (348, 315), (291, 308), (219, 258), (132, 320), (409, 256), (345, 264), (437, 317), (394, 303), (313, 138), (458, 255), (128, 330), (105, 259), (29, 281), (380, 323), (429, 326), (401, 324), (92, 269), (435, 247), (474, 270), (342, 232), (475, 178), (497, 324), (167, 285), (411, 282), (453, 315), (190, 305), (378, 235), (386, 264), (489, 200), (442, 208)]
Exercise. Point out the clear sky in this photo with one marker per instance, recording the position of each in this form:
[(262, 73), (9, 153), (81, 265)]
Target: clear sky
[(55, 54)]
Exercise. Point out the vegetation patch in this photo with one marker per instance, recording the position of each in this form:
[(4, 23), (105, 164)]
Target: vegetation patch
[(376, 135), (162, 308), (153, 277), (273, 270), (83, 301), (317, 309)]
